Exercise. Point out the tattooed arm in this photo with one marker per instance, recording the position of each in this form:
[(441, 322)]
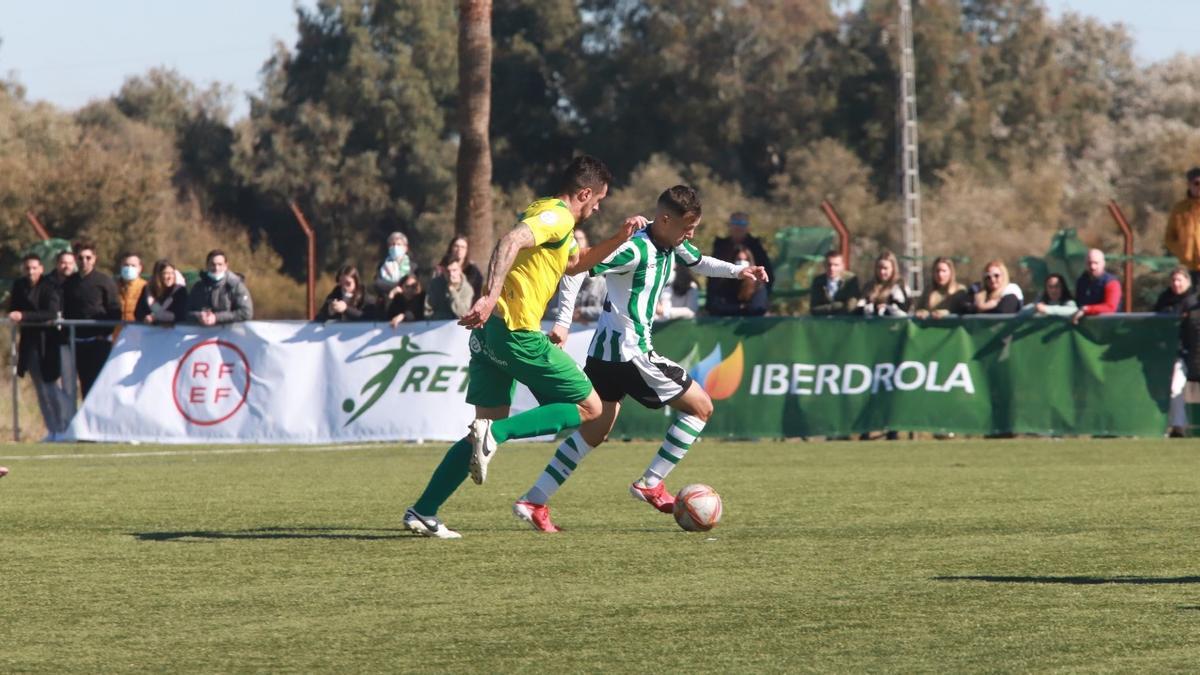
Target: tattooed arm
[(503, 256)]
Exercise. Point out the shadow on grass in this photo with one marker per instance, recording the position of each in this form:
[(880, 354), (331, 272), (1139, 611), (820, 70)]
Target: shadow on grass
[(1082, 581), (331, 533)]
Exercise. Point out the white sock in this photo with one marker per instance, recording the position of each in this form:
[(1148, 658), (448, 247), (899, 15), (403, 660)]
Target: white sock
[(680, 437), (566, 458)]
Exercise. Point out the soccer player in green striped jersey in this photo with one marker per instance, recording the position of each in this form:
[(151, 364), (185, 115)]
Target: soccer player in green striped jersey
[(621, 360)]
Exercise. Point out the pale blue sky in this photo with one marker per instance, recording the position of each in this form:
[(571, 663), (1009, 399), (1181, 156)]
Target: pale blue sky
[(72, 51)]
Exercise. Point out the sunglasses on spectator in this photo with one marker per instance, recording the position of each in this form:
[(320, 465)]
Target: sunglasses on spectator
[(1196, 183)]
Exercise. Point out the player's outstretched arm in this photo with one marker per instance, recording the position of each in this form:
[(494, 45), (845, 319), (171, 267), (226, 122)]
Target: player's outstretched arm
[(708, 266), (503, 256), (595, 255)]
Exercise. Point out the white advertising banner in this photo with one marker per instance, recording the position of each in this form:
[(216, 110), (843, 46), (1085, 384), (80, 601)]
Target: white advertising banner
[(286, 382)]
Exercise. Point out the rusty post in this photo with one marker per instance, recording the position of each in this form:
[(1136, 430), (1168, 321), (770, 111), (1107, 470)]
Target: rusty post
[(312, 259), (1115, 211), (843, 233), (37, 225)]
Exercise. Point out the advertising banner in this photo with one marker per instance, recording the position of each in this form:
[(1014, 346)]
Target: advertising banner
[(831, 376), (301, 382)]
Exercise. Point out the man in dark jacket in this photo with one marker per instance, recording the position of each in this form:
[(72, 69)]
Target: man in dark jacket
[(36, 299), (90, 294), (722, 293), (220, 296), (833, 292)]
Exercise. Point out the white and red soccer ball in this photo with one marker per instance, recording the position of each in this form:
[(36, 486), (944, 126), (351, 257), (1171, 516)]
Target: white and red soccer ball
[(698, 508)]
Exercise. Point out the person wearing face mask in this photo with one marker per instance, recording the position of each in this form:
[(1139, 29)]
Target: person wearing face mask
[(130, 284), (220, 296), (347, 300), (394, 267), (90, 294)]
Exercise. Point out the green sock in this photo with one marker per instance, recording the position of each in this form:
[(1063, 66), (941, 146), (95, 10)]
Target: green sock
[(547, 419), (445, 479)]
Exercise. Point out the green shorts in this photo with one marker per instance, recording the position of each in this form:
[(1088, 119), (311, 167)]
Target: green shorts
[(500, 358)]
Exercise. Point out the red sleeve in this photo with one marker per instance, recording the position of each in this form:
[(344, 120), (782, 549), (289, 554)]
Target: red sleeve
[(1112, 300)]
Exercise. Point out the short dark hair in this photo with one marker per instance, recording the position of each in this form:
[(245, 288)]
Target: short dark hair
[(128, 254), (83, 245), (30, 256), (1193, 173), (833, 253), (584, 171), (66, 251), (214, 253), (680, 200)]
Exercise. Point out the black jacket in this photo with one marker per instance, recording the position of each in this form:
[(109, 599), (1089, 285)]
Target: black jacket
[(356, 307), (172, 309), (36, 304), (842, 302), (92, 297), (721, 293), (1170, 303)]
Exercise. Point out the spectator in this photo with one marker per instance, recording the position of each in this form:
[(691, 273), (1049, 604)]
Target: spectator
[(945, 296), (1097, 291), (348, 300), (130, 284), (682, 299), (220, 296), (998, 295), (1055, 299), (163, 300), (589, 293), (394, 268), (35, 298), (65, 267), (450, 295), (406, 302), (887, 294), (724, 292), (90, 294), (460, 250), (835, 291), (1182, 237), (1178, 299), (749, 296)]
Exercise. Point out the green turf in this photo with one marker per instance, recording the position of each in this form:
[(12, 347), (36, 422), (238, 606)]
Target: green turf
[(1012, 555)]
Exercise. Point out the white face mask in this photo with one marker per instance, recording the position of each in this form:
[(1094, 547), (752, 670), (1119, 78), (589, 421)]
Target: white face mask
[(216, 276), (397, 252), (129, 272)]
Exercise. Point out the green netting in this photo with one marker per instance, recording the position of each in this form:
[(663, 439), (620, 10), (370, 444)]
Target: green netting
[(797, 248), (47, 250), (1067, 256)]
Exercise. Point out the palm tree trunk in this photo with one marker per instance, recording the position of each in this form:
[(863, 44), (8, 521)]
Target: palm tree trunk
[(473, 208)]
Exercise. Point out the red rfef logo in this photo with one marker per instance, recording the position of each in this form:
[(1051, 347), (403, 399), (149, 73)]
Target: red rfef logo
[(211, 382)]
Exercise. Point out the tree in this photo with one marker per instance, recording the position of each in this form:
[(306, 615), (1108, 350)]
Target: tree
[(473, 210)]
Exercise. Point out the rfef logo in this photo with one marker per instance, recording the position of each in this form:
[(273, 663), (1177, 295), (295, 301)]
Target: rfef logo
[(211, 382)]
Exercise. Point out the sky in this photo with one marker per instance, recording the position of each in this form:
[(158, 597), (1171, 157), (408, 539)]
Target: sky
[(70, 52)]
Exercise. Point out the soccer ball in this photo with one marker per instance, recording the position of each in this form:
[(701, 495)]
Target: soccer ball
[(698, 508)]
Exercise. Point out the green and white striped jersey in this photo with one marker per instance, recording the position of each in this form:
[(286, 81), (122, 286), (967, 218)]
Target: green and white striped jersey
[(636, 274)]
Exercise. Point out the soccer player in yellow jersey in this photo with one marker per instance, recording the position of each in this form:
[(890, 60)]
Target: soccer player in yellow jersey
[(507, 344)]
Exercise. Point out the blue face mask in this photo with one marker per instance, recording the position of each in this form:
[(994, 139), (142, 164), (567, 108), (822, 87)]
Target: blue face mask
[(129, 272), (397, 252), (216, 276)]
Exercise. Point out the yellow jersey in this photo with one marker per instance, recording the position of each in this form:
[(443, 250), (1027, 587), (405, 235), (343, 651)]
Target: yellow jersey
[(535, 273)]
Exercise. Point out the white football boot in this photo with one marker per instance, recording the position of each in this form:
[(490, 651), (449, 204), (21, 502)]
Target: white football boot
[(483, 448), (428, 527)]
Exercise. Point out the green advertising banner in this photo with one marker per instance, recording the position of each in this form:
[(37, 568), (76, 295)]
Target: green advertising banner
[(790, 377)]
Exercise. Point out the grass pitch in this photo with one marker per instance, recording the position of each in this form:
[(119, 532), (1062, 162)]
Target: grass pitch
[(991, 556)]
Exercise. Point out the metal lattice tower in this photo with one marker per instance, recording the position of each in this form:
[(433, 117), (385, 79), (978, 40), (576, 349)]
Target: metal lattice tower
[(910, 173)]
